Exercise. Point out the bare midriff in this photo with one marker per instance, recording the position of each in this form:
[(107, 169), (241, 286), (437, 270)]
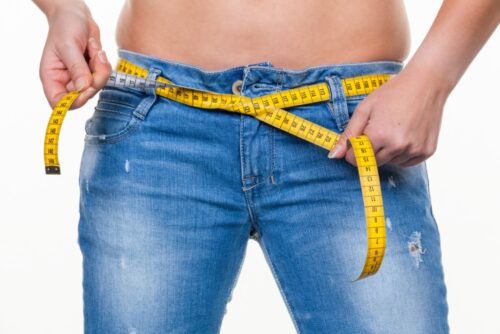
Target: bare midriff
[(217, 34)]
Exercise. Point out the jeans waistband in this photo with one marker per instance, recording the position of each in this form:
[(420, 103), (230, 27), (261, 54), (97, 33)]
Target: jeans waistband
[(261, 73)]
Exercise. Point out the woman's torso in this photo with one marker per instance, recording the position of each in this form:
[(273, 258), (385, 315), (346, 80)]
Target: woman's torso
[(216, 34)]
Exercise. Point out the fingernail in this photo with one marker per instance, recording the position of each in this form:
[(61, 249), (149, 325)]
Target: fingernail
[(80, 83), (102, 57), (93, 43), (333, 154)]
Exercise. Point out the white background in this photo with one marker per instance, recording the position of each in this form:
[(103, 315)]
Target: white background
[(40, 262)]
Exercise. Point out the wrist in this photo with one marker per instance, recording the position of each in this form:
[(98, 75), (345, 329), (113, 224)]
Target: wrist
[(52, 8), (429, 81)]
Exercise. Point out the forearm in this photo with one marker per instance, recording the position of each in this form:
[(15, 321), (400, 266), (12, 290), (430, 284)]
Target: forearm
[(459, 31), (49, 7)]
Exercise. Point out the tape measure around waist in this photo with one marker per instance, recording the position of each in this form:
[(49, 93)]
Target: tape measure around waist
[(267, 109)]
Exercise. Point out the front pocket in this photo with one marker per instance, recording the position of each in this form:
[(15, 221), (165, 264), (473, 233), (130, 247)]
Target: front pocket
[(114, 116)]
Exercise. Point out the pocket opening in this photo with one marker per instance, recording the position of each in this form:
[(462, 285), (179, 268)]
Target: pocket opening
[(115, 116)]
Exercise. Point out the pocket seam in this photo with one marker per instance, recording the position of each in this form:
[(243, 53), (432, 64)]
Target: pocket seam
[(132, 124), (139, 113), (102, 110), (129, 128), (114, 103)]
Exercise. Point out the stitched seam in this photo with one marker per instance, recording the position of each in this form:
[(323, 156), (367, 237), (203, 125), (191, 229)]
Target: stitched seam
[(281, 79), (139, 114), (274, 68), (118, 104), (334, 105), (329, 103), (251, 211), (164, 60), (110, 139), (342, 107), (339, 93), (273, 149), (242, 147), (244, 80), (144, 107), (100, 111), (430, 199), (356, 97), (335, 67)]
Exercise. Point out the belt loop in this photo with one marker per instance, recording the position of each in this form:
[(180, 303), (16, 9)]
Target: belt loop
[(153, 73), (145, 105), (338, 101)]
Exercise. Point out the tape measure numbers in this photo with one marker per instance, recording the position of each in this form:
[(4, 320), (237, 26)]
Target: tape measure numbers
[(268, 109)]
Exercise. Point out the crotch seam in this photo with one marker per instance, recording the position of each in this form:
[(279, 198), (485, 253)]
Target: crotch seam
[(251, 212)]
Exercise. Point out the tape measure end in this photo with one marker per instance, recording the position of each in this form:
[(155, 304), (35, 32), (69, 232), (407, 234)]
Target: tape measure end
[(52, 170), (358, 279)]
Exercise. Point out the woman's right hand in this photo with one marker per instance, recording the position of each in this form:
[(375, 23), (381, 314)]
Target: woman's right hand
[(72, 57)]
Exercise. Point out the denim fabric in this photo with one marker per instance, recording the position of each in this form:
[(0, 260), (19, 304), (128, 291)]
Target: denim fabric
[(170, 195)]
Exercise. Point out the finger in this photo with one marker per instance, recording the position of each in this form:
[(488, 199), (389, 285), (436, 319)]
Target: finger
[(70, 86), (54, 85), (101, 69), (94, 43), (350, 157), (354, 128), (402, 158), (385, 156), (74, 60), (93, 47), (412, 162), (95, 34)]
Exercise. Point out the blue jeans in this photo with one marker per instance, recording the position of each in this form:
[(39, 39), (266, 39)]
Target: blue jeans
[(171, 194)]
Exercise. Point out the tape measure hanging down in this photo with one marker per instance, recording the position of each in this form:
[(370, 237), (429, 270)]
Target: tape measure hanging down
[(268, 109)]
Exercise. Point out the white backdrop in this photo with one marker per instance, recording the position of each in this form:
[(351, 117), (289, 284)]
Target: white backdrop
[(40, 262)]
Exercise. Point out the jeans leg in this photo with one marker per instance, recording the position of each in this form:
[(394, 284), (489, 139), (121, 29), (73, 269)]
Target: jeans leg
[(163, 225), (313, 232)]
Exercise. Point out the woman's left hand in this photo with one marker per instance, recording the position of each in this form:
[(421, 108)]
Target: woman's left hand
[(402, 119)]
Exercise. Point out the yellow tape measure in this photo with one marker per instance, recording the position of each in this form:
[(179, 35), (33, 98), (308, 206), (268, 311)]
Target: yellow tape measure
[(268, 109)]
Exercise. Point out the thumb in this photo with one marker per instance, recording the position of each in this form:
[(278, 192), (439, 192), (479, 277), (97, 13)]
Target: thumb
[(354, 128), (75, 62), (101, 70)]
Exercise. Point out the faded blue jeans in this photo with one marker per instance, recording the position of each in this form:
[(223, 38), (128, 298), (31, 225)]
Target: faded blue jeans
[(171, 194)]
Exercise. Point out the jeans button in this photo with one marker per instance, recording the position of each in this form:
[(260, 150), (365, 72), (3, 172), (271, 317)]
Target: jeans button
[(237, 87)]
